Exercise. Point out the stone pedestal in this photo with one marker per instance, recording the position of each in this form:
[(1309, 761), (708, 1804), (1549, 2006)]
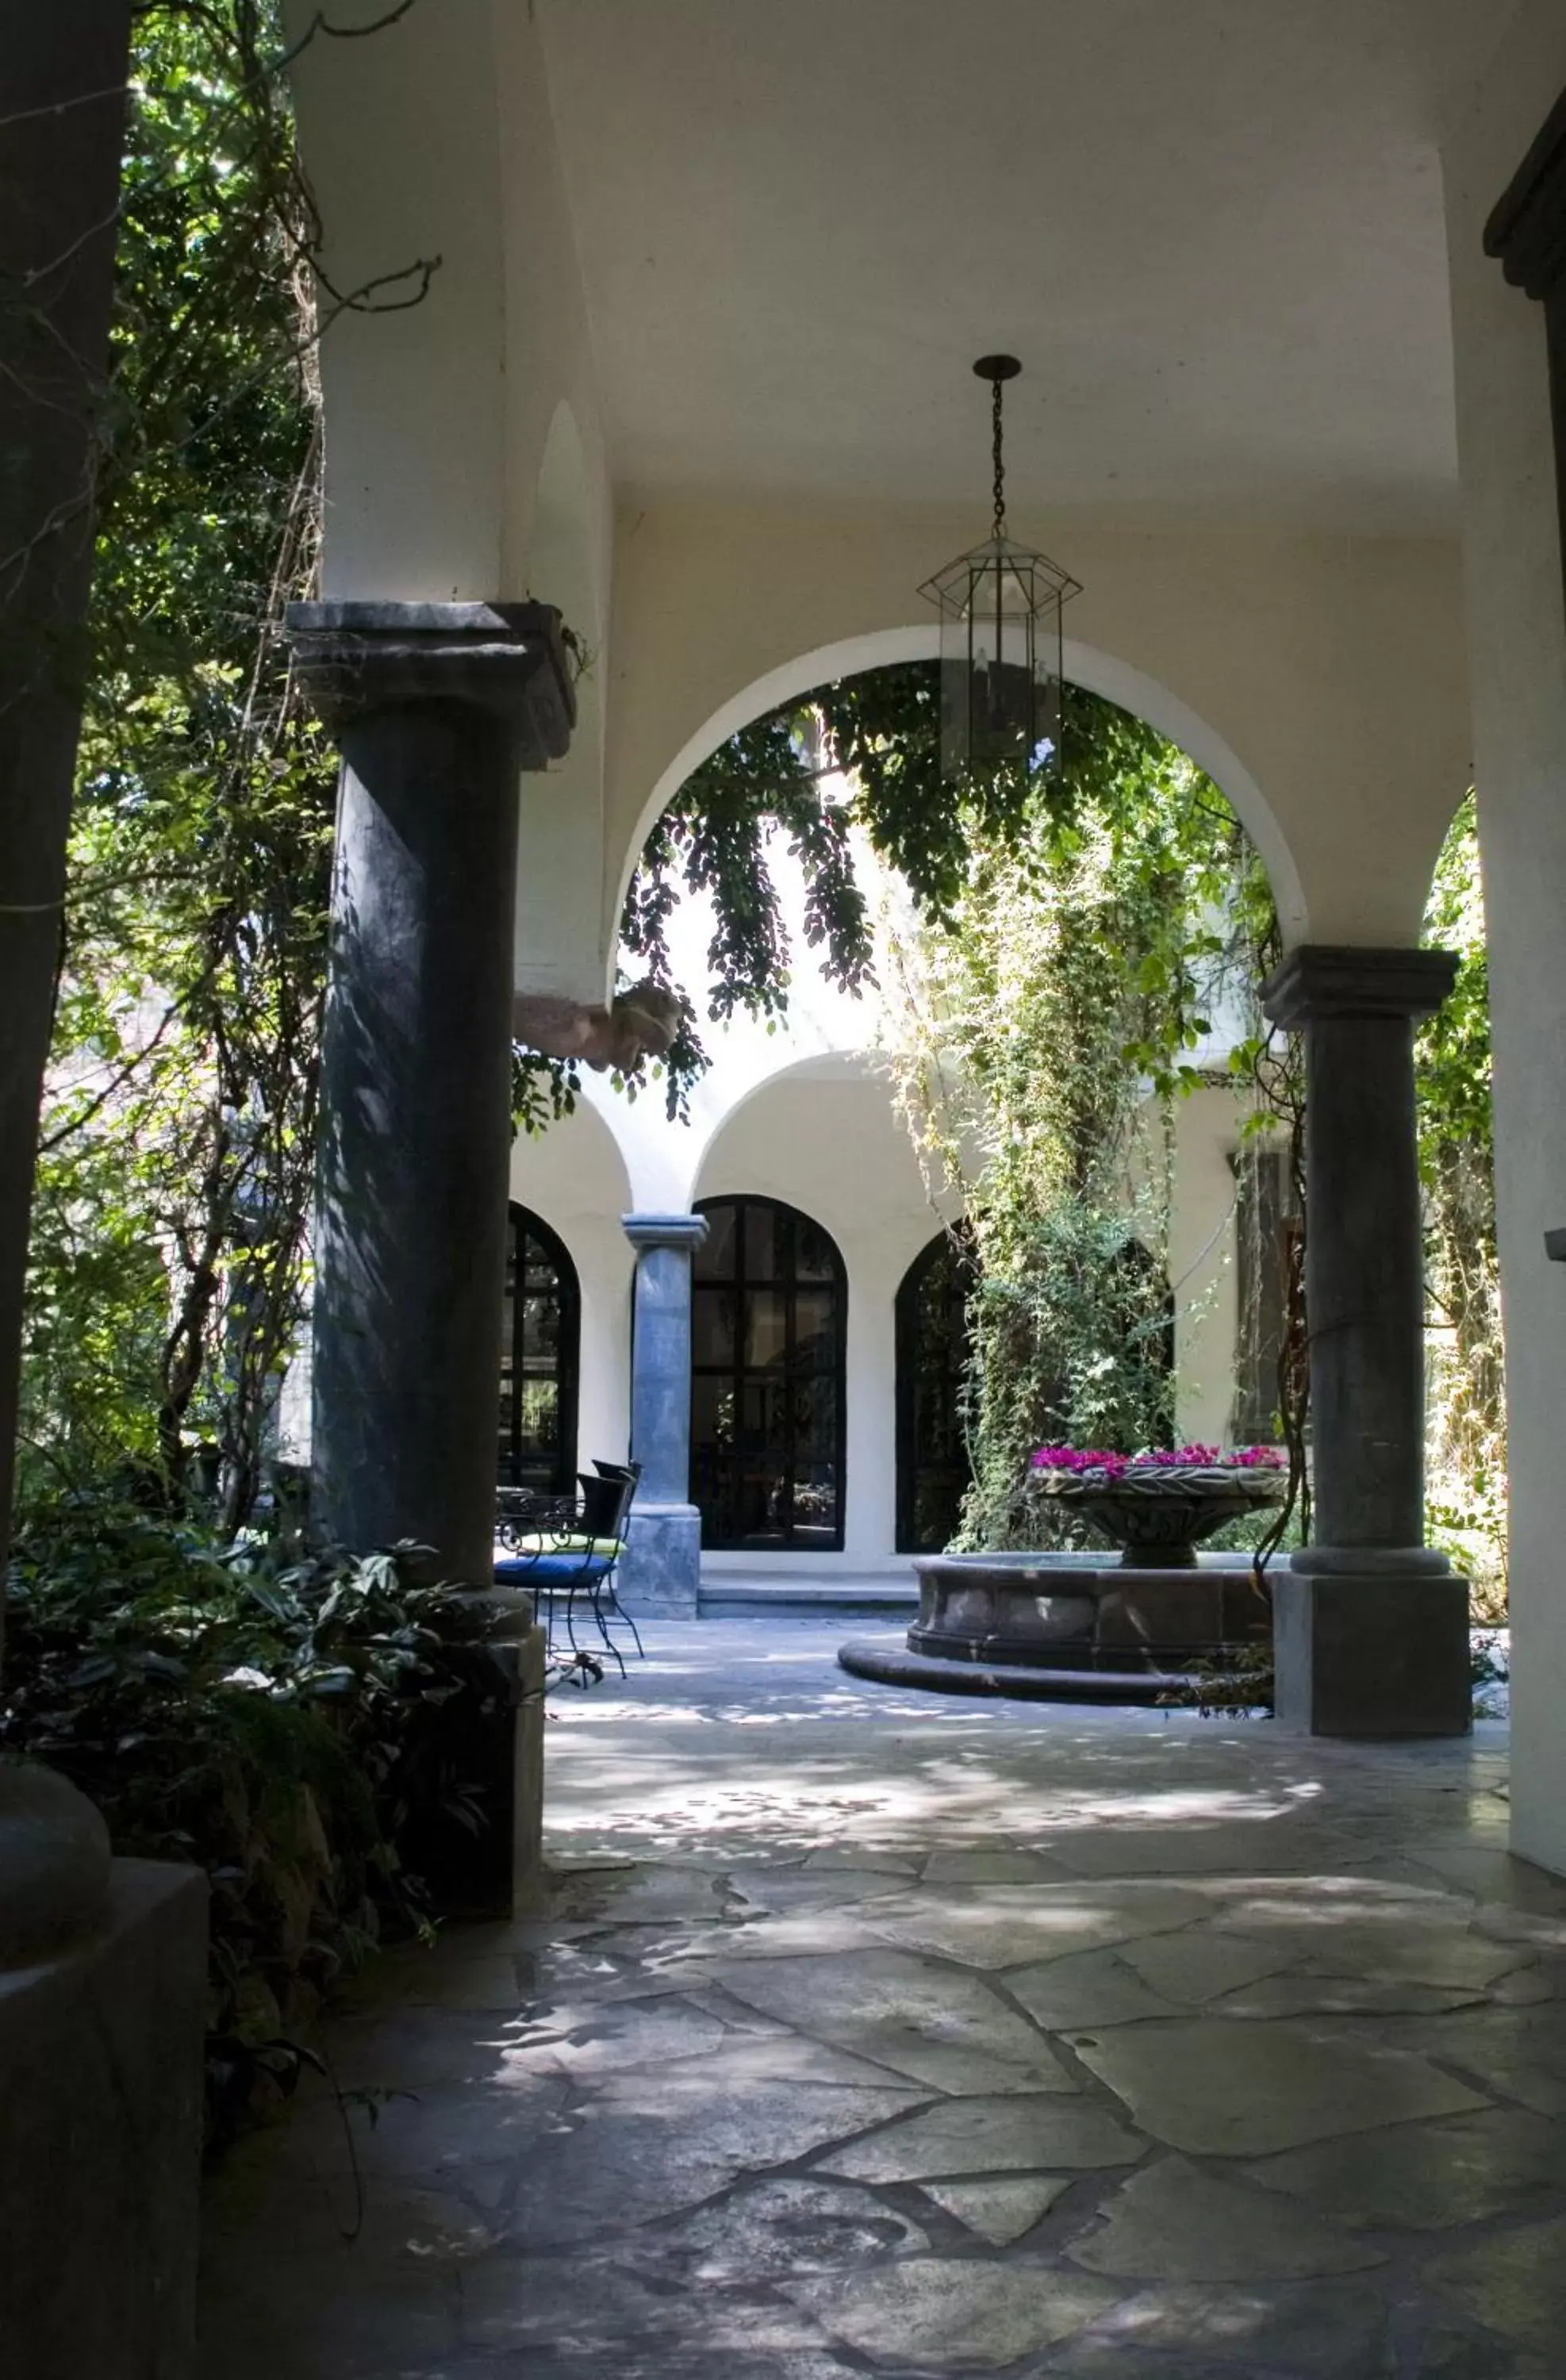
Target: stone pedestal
[(437, 707), (1369, 1655), (1371, 1628), (100, 2084), (499, 1743), (661, 1567)]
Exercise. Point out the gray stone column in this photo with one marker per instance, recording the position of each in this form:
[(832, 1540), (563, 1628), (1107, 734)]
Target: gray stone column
[(437, 707), (663, 1565), (1371, 1628)]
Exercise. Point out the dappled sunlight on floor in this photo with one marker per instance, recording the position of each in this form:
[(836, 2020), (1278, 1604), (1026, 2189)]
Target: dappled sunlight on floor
[(865, 2033)]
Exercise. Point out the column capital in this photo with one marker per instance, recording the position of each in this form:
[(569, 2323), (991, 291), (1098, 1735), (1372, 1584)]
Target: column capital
[(1527, 231), (508, 660), (665, 1231), (1323, 982)]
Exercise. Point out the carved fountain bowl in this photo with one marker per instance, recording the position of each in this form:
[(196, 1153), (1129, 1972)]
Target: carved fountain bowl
[(1159, 1515)]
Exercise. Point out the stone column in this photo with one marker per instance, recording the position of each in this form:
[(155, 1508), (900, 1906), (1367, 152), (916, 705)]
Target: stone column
[(1371, 1628), (437, 707), (662, 1564)]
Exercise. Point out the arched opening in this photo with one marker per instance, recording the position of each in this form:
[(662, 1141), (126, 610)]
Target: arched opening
[(933, 1468), (541, 1343), (768, 1315), (1087, 666)]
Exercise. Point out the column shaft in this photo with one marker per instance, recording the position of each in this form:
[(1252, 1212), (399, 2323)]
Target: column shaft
[(663, 1559), (415, 1150), (661, 1374), (438, 708), (1370, 1630), (1365, 1282)]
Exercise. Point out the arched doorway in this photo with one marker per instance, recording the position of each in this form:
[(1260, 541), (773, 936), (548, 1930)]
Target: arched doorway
[(768, 1315), (933, 1470), (539, 1343)]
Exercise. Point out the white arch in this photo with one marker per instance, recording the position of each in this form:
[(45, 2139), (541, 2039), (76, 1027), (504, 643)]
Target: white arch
[(843, 1064), (1085, 665)]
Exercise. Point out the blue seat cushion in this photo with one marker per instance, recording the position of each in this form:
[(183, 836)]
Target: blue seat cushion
[(531, 1568)]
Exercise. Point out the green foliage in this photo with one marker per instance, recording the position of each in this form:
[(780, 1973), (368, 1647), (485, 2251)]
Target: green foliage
[(168, 1251), (1466, 1449), (1053, 1005), (712, 838), (278, 1722), (879, 730)]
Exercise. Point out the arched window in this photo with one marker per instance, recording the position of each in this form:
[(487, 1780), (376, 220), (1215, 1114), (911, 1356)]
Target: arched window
[(933, 1470), (540, 1341), (770, 1309)]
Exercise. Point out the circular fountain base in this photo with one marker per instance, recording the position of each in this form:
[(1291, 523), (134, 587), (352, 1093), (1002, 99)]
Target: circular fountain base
[(1068, 1627), (888, 1662)]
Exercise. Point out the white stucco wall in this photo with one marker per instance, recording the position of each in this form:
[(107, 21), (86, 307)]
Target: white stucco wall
[(1202, 1265), (1517, 642)]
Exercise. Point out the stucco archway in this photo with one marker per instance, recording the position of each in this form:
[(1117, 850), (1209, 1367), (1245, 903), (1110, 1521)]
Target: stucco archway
[(1085, 665)]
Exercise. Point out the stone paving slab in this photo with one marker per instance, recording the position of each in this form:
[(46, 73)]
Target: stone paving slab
[(872, 2036)]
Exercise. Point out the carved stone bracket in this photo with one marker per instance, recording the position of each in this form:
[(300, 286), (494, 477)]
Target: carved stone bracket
[(1526, 234), (1527, 231), (640, 1022)]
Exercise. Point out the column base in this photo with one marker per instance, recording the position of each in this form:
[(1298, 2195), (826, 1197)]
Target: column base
[(660, 1568), (497, 1872), (1376, 1653)]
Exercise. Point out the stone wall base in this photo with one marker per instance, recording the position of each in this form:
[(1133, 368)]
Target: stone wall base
[(660, 1568), (99, 2170), (1373, 1655)]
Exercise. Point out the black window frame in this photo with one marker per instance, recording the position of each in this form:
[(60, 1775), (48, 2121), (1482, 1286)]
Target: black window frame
[(956, 1249), (737, 1371), (522, 1224)]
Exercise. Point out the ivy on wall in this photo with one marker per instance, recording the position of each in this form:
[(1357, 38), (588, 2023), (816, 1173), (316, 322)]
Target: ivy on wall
[(1047, 1018)]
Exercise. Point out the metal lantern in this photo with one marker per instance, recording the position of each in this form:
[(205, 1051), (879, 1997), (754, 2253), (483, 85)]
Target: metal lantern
[(1000, 640)]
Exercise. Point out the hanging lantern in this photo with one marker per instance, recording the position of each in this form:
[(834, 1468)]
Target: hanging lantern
[(1000, 640)]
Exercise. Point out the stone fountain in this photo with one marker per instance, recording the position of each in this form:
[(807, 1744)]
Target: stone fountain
[(1131, 1627)]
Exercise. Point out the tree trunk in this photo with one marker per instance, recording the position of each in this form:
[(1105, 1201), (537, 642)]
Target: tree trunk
[(63, 66)]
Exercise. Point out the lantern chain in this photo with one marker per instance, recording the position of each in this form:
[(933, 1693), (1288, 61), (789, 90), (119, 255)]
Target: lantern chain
[(996, 398)]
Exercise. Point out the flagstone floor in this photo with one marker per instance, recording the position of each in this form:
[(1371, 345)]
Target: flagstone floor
[(872, 2033)]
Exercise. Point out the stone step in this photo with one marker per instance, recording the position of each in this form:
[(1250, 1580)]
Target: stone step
[(752, 1594)]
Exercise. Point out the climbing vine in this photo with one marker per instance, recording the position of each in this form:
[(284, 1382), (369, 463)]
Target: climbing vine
[(1048, 1018)]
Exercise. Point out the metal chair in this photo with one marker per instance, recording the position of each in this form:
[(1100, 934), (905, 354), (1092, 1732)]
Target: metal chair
[(624, 1477), (563, 1546)]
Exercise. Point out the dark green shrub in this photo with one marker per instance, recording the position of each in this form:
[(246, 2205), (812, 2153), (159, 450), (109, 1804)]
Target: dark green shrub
[(281, 1724)]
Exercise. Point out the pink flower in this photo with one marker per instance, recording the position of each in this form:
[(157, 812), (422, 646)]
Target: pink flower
[(1206, 1458)]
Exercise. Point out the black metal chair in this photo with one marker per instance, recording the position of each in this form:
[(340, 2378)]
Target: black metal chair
[(562, 1546), (625, 1477)]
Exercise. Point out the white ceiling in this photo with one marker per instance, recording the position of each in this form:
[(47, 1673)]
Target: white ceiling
[(1212, 228)]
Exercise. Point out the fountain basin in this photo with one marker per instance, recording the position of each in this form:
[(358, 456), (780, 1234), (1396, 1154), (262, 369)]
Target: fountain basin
[(1158, 1513), (1068, 1626)]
